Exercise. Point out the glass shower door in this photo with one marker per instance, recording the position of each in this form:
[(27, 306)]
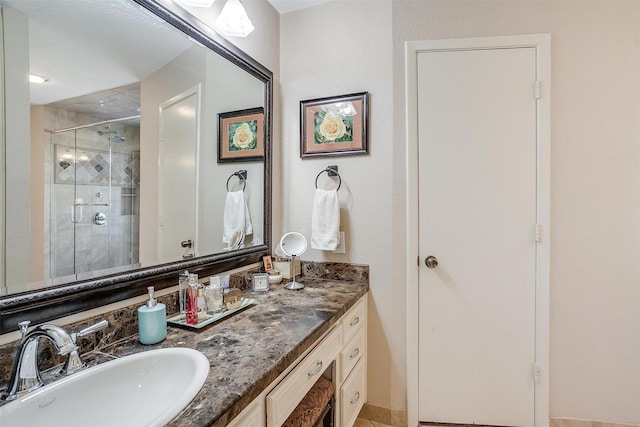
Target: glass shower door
[(93, 201), (92, 233)]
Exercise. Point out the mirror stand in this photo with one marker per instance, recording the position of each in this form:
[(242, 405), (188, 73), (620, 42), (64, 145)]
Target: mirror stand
[(293, 285)]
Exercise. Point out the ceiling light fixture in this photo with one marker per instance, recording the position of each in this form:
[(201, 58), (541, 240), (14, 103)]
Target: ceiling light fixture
[(33, 78), (197, 3), (233, 20)]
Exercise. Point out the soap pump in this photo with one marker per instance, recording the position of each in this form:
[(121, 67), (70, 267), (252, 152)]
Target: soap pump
[(152, 320)]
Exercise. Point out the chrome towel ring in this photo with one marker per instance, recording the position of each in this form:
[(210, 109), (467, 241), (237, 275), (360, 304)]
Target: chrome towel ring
[(242, 176), (331, 171)]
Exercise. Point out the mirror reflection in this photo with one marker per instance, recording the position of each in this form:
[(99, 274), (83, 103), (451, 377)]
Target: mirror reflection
[(112, 162)]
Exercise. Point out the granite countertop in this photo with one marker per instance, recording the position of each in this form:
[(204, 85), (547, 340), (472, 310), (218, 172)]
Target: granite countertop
[(250, 349)]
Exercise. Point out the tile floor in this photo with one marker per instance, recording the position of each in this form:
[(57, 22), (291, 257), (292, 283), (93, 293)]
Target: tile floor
[(361, 422)]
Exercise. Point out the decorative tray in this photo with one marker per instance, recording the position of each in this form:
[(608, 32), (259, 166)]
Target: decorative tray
[(179, 319)]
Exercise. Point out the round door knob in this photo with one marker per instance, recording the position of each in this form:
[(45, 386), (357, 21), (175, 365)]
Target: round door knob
[(431, 261)]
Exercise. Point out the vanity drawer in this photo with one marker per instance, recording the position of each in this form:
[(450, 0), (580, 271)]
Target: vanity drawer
[(354, 319), (353, 395), (351, 353), (285, 396)]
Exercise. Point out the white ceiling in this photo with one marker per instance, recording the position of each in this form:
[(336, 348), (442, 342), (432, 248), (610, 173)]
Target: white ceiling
[(284, 6), (85, 46)]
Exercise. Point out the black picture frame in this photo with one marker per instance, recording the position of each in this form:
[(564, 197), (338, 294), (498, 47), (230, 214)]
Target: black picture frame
[(232, 148), (334, 126)]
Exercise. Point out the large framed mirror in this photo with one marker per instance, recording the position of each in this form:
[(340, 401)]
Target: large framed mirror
[(112, 174)]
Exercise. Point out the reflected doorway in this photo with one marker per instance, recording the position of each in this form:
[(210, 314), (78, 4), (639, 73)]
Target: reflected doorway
[(178, 167)]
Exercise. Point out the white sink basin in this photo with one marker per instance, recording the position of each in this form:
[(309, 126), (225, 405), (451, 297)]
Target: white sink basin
[(144, 389)]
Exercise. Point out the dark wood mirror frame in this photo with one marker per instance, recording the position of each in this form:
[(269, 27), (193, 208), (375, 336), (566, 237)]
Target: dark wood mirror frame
[(63, 300)]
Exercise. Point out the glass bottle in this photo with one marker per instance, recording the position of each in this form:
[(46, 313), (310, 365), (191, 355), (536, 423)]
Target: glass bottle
[(183, 284), (192, 300), (202, 305), (213, 295)]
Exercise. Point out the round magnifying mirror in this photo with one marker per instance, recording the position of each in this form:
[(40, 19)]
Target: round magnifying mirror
[(293, 244)]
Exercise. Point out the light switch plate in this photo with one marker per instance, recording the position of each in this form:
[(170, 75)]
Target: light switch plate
[(342, 245)]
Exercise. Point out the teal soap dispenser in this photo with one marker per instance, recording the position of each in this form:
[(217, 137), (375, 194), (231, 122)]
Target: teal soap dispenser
[(152, 320)]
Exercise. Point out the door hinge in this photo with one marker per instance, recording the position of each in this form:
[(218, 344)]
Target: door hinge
[(537, 373), (538, 232), (418, 260), (537, 88)]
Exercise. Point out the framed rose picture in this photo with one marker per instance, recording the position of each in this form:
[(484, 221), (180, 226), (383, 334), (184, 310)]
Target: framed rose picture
[(334, 126), (241, 135)]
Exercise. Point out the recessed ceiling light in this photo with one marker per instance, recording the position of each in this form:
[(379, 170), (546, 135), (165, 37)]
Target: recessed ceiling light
[(33, 78)]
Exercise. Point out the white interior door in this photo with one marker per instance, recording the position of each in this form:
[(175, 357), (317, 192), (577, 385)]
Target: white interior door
[(179, 143), (477, 215)]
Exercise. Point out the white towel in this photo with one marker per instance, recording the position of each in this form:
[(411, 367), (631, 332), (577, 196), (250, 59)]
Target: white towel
[(325, 220), (236, 216)]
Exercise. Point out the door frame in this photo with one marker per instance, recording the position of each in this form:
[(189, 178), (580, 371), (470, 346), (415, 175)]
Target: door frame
[(542, 44)]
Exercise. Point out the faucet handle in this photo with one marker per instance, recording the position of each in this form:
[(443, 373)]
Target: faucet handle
[(74, 362), (24, 327), (103, 324)]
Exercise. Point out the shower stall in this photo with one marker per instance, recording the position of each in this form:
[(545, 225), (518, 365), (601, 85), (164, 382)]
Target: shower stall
[(94, 202)]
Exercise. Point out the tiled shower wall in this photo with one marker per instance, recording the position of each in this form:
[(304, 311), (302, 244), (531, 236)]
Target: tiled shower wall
[(98, 177)]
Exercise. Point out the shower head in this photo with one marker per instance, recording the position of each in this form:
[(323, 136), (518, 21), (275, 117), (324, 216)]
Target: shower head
[(114, 137)]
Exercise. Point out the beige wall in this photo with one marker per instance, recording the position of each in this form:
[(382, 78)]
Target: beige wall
[(336, 49), (17, 233), (262, 45), (224, 88), (39, 144), (595, 184), (350, 46)]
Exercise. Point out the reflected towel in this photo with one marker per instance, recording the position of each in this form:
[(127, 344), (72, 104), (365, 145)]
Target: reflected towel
[(236, 216), (325, 220)]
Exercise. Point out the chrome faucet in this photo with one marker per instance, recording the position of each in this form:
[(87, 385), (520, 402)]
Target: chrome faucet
[(25, 375)]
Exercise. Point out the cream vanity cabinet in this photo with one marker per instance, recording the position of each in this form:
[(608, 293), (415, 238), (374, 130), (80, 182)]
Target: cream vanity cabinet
[(352, 375), (343, 348), (253, 415)]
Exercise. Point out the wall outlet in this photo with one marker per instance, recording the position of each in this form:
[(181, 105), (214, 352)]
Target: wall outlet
[(342, 245)]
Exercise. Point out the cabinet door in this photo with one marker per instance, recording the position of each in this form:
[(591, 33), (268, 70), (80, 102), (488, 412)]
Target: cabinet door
[(353, 395)]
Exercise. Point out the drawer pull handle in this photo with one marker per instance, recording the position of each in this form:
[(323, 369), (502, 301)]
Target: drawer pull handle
[(354, 321), (318, 369), (355, 397), (354, 353)]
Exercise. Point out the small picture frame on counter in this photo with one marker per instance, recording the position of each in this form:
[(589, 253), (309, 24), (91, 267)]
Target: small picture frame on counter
[(268, 263), (260, 282)]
